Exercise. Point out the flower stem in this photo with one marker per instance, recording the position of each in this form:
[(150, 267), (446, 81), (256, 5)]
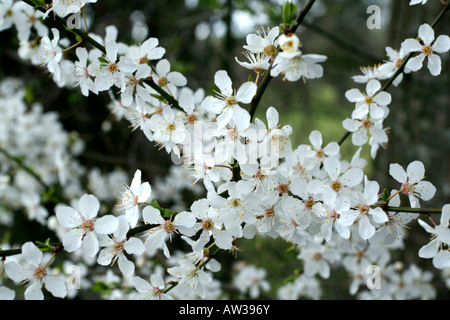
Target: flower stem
[(20, 163), (413, 210)]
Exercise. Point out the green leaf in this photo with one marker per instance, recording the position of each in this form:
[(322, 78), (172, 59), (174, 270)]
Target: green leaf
[(45, 246), (39, 3), (288, 12), (166, 213), (103, 60), (385, 195), (101, 287)]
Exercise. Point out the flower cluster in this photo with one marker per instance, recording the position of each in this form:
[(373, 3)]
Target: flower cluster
[(256, 183)]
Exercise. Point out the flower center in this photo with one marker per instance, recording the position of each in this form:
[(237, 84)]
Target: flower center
[(364, 209), (334, 215), (157, 292), (235, 202), (231, 101), (87, 225), (143, 60), (320, 153), (112, 67), (191, 118), (169, 227), (336, 185), (163, 82), (283, 188), (398, 63), (118, 247), (309, 203), (427, 50), (317, 256), (270, 50), (39, 273), (208, 224), (407, 188), (260, 175), (366, 123), (269, 213), (171, 127)]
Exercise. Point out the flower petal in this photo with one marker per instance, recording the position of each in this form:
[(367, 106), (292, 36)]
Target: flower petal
[(246, 92), (223, 82), (88, 206)]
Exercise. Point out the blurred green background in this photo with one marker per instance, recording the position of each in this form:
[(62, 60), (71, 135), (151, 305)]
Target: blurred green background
[(202, 36)]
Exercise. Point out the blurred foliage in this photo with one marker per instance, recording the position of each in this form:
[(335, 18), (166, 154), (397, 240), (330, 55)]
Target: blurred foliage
[(419, 112)]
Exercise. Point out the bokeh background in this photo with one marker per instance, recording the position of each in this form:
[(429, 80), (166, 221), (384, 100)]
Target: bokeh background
[(203, 36)]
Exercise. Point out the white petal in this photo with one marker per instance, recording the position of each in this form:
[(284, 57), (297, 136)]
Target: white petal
[(398, 173), (426, 33), (134, 246), (88, 206), (107, 224), (351, 125), (442, 44), (6, 293), (141, 285), (14, 271), (125, 266), (415, 171), (434, 64), (56, 286), (90, 244), (152, 215), (366, 229), (223, 239), (72, 240), (136, 182), (354, 95), (246, 92), (111, 50), (415, 63), (360, 137), (372, 87), (68, 217), (34, 291), (425, 189), (333, 167), (144, 191), (383, 98), (331, 149), (272, 117), (241, 118), (445, 216), (185, 219), (224, 118), (31, 253), (223, 82), (105, 256), (442, 259), (177, 79), (429, 250), (379, 216), (352, 177), (411, 45), (315, 137), (163, 67)]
